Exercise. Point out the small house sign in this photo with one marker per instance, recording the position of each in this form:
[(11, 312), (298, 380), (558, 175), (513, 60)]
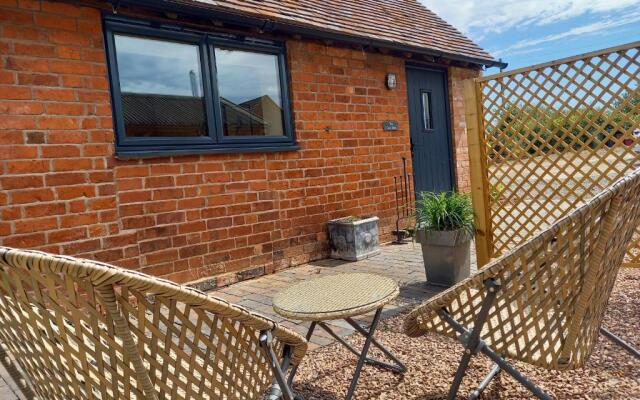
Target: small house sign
[(390, 125)]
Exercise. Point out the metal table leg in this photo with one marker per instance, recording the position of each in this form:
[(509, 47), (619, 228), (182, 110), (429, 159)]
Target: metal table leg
[(312, 327), (363, 356), (397, 365)]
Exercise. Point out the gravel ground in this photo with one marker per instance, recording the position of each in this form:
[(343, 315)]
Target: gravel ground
[(611, 373)]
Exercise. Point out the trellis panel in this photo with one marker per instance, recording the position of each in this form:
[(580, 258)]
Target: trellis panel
[(553, 136)]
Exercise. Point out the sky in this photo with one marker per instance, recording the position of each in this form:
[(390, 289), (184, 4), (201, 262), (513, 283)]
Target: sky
[(526, 32)]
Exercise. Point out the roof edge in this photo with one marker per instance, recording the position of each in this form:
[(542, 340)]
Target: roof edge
[(276, 25)]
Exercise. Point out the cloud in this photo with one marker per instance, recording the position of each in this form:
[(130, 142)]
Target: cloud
[(480, 17), (587, 29)]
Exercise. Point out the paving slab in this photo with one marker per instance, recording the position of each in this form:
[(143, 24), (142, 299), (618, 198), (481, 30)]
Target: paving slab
[(401, 262)]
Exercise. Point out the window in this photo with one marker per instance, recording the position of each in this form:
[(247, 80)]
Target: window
[(178, 92), (250, 107), (427, 117)]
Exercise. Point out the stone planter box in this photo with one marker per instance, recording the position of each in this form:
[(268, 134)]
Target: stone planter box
[(446, 255), (353, 238)]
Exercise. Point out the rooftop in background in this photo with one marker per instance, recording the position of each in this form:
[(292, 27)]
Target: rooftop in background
[(405, 25)]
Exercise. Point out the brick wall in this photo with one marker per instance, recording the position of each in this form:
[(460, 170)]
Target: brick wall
[(190, 217), (459, 126)]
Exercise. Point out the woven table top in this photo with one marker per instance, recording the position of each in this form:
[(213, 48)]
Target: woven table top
[(335, 297)]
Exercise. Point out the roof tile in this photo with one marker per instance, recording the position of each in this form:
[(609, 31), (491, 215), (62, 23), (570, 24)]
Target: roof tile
[(401, 22)]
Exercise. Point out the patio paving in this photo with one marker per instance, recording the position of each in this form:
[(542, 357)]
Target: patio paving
[(401, 262)]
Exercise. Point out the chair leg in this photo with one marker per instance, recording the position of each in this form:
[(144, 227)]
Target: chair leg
[(471, 340), (617, 340), (485, 382), (280, 388), (457, 380), (508, 368), (15, 374), (473, 344)]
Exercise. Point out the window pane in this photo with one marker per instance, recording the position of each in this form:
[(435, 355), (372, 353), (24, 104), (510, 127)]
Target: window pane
[(426, 111), (161, 87), (249, 85)]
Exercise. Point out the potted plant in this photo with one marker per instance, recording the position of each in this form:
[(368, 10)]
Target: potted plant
[(444, 229), (353, 238)]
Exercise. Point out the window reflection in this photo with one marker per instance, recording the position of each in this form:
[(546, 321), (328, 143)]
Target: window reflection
[(250, 97), (161, 87)]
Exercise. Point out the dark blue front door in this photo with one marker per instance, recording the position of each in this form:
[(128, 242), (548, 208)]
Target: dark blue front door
[(430, 133)]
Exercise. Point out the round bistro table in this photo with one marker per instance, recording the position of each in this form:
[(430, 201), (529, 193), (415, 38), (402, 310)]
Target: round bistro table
[(342, 296)]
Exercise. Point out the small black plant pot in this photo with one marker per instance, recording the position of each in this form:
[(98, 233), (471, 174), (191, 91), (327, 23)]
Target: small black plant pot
[(353, 239), (446, 255)]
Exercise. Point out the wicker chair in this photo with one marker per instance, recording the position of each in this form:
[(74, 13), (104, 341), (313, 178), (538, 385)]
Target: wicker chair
[(85, 330), (543, 302)]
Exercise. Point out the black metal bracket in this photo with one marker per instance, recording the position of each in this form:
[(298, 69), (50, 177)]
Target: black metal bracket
[(115, 5)]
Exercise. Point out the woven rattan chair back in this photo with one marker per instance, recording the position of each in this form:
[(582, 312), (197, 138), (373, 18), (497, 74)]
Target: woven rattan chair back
[(86, 330), (554, 287)]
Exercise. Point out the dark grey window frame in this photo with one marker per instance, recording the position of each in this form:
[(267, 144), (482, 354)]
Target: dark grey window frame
[(215, 142)]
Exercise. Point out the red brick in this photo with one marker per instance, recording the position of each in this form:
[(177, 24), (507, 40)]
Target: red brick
[(41, 210), (15, 92), (16, 16), (57, 123), (32, 196), (161, 256), (18, 152), (25, 241), (17, 122), (7, 77), (29, 4), (27, 167), (73, 192), (38, 79), (56, 22), (69, 178), (34, 50), (67, 235), (66, 108), (60, 151), (21, 182), (11, 213), (70, 67), (71, 165), (131, 171), (68, 52), (68, 37), (27, 64), (69, 10), (68, 221), (36, 225), (55, 94)]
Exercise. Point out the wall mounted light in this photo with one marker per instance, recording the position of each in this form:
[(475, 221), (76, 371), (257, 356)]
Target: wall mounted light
[(391, 81)]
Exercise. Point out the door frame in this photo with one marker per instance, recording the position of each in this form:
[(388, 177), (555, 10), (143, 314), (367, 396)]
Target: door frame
[(447, 105)]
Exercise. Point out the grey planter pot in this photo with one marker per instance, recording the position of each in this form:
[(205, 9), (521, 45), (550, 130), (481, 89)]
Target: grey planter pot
[(446, 255), (353, 240)]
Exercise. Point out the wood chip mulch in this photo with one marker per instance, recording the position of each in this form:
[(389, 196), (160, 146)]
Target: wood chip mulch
[(611, 373)]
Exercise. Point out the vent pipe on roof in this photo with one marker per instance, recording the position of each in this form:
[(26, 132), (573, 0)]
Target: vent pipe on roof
[(194, 84)]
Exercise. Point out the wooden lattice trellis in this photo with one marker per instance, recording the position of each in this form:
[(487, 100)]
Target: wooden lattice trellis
[(545, 138)]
